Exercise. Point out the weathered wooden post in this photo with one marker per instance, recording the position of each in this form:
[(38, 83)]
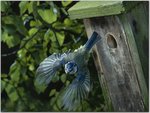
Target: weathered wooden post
[(121, 56)]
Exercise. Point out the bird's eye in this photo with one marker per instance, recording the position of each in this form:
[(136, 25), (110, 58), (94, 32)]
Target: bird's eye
[(70, 65), (70, 68)]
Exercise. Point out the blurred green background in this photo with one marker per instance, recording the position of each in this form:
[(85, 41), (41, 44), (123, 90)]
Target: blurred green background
[(30, 32)]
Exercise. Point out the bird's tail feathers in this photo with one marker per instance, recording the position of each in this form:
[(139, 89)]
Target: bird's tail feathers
[(93, 39)]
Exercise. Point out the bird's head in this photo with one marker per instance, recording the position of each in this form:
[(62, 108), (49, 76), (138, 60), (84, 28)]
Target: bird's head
[(71, 67)]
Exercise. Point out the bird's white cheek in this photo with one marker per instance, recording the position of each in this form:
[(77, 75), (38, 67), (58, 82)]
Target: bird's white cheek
[(66, 70)]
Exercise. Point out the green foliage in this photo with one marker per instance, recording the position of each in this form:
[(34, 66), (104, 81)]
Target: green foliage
[(15, 72), (63, 78), (10, 40), (5, 6), (23, 6), (39, 29), (48, 15), (53, 92), (12, 94)]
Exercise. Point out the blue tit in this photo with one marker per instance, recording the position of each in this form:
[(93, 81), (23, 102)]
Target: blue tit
[(73, 63), (71, 67)]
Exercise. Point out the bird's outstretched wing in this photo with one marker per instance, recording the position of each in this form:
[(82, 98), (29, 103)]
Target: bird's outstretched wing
[(77, 90), (48, 68)]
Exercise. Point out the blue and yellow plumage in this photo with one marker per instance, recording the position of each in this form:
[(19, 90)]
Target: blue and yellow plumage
[(73, 63)]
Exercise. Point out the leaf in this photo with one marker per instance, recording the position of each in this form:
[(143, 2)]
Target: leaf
[(49, 35), (32, 106), (15, 72), (54, 45), (23, 5), (63, 78), (68, 22), (55, 108), (10, 28), (35, 23), (52, 102), (61, 37), (67, 82), (35, 12), (32, 31), (42, 54), (17, 21), (11, 92), (54, 50), (78, 28), (10, 40), (30, 44), (56, 41), (55, 78), (53, 91), (66, 3), (21, 91), (58, 25), (21, 53), (3, 85), (48, 15), (31, 67), (4, 6), (20, 27), (4, 75), (30, 8), (8, 19), (39, 88), (59, 103)]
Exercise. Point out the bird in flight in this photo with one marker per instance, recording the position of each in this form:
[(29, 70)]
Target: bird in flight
[(74, 63)]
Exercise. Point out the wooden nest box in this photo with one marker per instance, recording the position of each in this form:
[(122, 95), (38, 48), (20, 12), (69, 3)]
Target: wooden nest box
[(121, 57)]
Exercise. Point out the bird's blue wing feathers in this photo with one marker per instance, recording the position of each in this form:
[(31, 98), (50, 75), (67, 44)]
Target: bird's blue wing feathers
[(48, 68), (77, 90)]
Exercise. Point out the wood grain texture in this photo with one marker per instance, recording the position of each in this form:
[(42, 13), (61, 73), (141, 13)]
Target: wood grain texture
[(116, 65), (138, 19), (137, 36), (87, 9), (102, 79)]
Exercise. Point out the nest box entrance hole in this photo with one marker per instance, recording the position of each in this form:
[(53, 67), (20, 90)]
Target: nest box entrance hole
[(111, 41)]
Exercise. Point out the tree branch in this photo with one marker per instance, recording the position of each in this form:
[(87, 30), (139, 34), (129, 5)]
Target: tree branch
[(14, 52)]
